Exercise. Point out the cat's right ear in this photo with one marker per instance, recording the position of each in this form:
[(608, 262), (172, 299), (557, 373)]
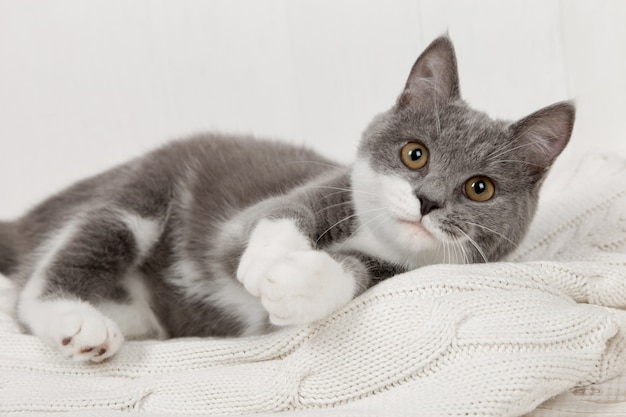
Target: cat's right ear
[(434, 77)]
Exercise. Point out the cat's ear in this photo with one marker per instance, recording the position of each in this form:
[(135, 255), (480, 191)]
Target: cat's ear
[(433, 78), (543, 135)]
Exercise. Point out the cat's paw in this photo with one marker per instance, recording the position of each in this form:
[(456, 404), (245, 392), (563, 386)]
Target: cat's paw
[(305, 286), (87, 335), (270, 242)]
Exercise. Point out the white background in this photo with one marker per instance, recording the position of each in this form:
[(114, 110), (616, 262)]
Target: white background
[(88, 84)]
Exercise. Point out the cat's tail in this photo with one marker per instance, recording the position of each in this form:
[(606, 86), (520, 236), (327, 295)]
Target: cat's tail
[(8, 252)]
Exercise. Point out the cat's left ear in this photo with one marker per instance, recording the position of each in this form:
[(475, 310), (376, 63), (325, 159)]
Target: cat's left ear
[(434, 77), (543, 135)]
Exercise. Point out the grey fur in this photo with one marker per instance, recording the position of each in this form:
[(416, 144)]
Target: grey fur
[(244, 179)]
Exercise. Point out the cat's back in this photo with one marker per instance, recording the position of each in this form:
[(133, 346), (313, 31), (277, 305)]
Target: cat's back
[(219, 172), (242, 170)]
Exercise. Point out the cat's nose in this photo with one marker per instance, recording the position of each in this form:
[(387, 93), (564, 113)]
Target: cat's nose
[(427, 205)]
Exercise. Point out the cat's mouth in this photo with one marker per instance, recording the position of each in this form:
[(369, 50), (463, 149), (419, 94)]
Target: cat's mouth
[(416, 227)]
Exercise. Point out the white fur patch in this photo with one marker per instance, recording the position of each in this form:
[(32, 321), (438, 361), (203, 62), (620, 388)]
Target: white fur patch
[(146, 231), (390, 225)]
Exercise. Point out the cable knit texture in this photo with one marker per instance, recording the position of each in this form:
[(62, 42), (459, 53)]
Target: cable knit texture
[(485, 340)]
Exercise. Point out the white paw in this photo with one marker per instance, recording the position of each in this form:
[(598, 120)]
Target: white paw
[(305, 286), (270, 241), (78, 330), (87, 335)]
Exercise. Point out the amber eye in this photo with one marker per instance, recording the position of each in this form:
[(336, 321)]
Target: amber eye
[(414, 155), (480, 189)]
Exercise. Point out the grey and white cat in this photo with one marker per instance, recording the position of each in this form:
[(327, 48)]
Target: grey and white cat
[(228, 236)]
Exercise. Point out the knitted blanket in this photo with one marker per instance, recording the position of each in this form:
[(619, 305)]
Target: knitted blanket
[(449, 340)]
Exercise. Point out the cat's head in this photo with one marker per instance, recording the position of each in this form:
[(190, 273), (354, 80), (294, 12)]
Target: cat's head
[(437, 181)]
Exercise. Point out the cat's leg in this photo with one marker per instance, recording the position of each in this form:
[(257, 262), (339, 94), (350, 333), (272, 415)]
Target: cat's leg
[(80, 266), (296, 283)]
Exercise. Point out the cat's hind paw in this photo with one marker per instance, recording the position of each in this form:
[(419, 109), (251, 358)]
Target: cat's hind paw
[(305, 286), (88, 336), (78, 331)]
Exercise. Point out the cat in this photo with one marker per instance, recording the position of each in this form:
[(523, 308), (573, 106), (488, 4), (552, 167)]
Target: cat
[(232, 236)]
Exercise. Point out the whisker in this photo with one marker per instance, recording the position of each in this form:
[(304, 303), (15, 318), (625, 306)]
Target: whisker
[(520, 162), (462, 254), (347, 218), (371, 220), (313, 162), (491, 230), (362, 226), (333, 205), (460, 244), (343, 189), (505, 151), (457, 252), (335, 193), (439, 251), (497, 152), (452, 252), (474, 244)]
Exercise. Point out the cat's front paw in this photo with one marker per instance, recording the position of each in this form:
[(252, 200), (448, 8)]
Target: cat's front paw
[(270, 241), (305, 286), (87, 335)]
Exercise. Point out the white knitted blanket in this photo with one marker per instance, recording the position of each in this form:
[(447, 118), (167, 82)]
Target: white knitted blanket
[(487, 340)]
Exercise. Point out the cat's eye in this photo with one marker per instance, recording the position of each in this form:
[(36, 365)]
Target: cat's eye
[(480, 189), (414, 155)]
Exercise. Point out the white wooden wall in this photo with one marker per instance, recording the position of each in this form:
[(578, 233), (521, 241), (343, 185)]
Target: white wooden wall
[(88, 84)]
